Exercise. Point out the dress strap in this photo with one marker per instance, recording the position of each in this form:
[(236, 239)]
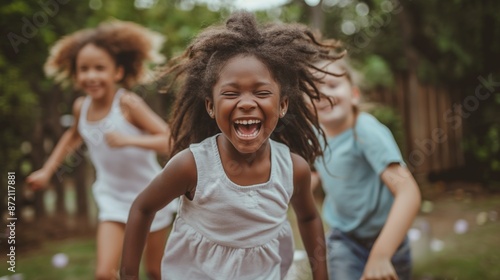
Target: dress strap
[(282, 159), (85, 109), (118, 95)]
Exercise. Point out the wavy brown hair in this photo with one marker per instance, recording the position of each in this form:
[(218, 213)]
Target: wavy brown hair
[(288, 50), (129, 44)]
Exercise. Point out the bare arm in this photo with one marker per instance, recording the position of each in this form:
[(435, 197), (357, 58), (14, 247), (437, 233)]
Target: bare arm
[(178, 177), (70, 141), (308, 218), (315, 180), (141, 115), (404, 209)]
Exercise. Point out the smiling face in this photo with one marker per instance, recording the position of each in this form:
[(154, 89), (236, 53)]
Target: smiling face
[(344, 95), (246, 103), (96, 72)]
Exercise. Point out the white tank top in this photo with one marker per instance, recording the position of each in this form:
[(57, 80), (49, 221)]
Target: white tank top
[(121, 173), (229, 231)]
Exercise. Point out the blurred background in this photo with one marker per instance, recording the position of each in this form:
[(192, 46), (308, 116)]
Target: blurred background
[(430, 72)]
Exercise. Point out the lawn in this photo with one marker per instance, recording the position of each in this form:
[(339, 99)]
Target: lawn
[(454, 237), (38, 264), (459, 239)]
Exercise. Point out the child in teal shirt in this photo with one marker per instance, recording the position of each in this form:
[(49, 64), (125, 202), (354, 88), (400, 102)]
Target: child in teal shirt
[(371, 197)]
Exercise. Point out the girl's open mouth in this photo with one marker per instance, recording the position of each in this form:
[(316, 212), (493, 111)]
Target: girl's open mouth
[(247, 128)]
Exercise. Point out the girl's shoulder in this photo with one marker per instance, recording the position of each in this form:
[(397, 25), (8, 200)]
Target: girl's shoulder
[(301, 168), (77, 106), (76, 111), (367, 123), (184, 160), (182, 167), (129, 99), (134, 108), (366, 119), (289, 159), (370, 131)]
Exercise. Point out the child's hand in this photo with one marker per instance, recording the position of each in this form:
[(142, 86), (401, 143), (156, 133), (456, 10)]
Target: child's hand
[(38, 179), (379, 268), (115, 139)]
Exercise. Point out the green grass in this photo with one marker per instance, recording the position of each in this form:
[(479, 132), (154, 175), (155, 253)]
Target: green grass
[(37, 264), (474, 254)]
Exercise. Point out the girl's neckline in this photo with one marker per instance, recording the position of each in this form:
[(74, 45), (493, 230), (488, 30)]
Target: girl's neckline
[(218, 159), (116, 98)]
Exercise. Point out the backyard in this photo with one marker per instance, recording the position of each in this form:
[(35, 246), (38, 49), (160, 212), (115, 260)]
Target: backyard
[(426, 71)]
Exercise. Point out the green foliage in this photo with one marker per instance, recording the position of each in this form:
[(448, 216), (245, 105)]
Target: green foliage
[(16, 116), (376, 73), (485, 151), (390, 118)]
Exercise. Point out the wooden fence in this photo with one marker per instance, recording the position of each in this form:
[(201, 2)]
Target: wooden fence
[(432, 128)]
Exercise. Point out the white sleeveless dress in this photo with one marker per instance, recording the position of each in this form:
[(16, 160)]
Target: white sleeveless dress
[(121, 173), (229, 231)]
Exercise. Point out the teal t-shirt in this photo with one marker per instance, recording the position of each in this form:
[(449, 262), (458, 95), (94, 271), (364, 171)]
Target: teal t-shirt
[(357, 202)]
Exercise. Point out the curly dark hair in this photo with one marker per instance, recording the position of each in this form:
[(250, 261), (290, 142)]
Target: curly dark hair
[(129, 44), (288, 50)]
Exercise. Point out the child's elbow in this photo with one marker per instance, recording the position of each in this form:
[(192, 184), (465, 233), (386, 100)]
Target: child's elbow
[(418, 196), (415, 195)]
